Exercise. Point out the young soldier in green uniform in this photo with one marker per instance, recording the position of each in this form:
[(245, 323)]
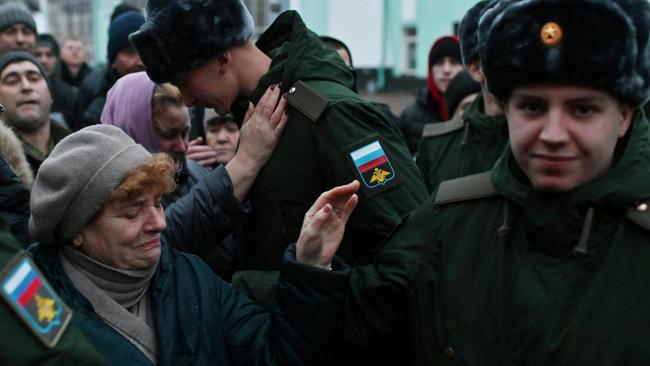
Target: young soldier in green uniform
[(544, 259), (332, 135), (473, 143)]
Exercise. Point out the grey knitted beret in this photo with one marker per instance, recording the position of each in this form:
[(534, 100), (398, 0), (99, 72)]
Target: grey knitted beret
[(181, 35), (12, 13), (75, 180)]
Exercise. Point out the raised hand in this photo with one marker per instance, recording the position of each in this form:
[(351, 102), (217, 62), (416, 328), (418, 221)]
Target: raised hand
[(262, 127), (202, 154), (324, 225), (259, 134)]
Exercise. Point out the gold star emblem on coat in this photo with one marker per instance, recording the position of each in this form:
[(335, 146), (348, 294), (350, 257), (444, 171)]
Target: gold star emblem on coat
[(379, 176), (551, 34)]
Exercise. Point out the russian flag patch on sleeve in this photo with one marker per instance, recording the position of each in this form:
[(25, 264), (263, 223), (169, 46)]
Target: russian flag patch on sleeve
[(372, 166), (32, 298)]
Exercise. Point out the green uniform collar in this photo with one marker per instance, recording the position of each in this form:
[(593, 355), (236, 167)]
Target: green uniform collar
[(298, 54), (57, 133), (561, 223), (484, 126)]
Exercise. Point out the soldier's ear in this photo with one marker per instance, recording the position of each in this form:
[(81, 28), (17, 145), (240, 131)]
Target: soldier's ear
[(78, 240), (627, 113), (474, 70), (224, 61)]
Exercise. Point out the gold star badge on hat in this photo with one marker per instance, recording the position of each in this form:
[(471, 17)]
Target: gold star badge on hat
[(551, 34)]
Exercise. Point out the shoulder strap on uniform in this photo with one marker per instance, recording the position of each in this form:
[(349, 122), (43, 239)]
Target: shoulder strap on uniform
[(640, 214), (442, 128), (306, 100), (466, 188)]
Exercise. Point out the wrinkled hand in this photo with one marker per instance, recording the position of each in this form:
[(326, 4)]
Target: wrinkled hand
[(262, 128), (202, 154), (324, 225)]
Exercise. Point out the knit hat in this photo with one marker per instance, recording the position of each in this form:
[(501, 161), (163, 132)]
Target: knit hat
[(468, 31), (122, 8), (119, 30), (75, 180), (47, 40), (17, 56), (12, 13), (459, 87), (602, 44), (128, 106), (445, 47), (181, 36)]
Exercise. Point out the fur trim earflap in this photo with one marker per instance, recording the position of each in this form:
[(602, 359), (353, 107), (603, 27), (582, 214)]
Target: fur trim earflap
[(11, 150), (468, 31), (595, 43), (181, 35)]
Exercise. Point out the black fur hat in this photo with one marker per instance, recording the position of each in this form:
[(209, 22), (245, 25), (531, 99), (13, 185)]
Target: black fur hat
[(468, 31), (595, 43), (182, 35)]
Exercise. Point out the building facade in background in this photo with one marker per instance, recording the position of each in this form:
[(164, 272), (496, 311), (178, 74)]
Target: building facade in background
[(389, 39)]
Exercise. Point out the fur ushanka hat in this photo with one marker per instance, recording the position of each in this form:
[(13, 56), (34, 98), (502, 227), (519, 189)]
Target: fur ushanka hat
[(594, 43), (181, 35), (468, 31)]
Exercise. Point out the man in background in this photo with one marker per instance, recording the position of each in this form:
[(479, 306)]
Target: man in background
[(64, 97), (26, 96), (17, 28), (123, 59), (429, 105), (73, 58)]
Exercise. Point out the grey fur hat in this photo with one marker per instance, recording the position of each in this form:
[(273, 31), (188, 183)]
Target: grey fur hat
[(468, 31), (75, 180), (595, 43), (11, 150), (181, 35), (12, 13)]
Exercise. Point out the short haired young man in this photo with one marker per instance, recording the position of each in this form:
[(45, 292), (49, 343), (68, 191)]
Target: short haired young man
[(332, 136)]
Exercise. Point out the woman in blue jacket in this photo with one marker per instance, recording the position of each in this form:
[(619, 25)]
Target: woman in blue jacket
[(107, 250)]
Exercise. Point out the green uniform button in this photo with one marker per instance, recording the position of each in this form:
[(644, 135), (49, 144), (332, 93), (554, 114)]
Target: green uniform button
[(642, 207), (449, 353)]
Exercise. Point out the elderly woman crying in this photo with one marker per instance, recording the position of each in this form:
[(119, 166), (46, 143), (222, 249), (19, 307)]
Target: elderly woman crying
[(105, 246)]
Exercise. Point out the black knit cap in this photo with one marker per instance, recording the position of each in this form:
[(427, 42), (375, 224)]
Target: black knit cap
[(18, 56), (181, 35), (595, 43), (119, 30), (47, 40), (468, 31), (446, 47), (459, 87), (12, 13)]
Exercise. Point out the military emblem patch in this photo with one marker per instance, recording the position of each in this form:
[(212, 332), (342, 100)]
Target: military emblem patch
[(32, 298), (372, 166)]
